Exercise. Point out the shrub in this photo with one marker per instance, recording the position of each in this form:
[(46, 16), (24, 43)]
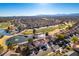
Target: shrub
[(30, 40), (74, 39), (60, 36)]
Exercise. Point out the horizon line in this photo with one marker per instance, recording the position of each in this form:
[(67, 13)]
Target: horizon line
[(39, 15)]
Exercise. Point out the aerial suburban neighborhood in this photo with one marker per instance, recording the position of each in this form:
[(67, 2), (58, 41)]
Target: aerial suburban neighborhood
[(39, 35)]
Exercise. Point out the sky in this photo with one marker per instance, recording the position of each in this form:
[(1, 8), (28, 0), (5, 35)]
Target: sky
[(31, 9)]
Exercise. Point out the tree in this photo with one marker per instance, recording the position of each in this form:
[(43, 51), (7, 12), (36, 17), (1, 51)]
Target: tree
[(1, 49), (9, 45), (7, 30), (34, 31), (26, 51), (46, 34), (69, 27), (30, 40), (74, 39), (60, 36)]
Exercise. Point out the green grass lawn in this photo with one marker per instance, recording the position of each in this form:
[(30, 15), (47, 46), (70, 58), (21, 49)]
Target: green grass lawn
[(62, 26), (27, 32), (4, 25), (41, 30), (46, 29)]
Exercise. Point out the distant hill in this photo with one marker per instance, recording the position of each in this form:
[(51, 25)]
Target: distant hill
[(44, 15)]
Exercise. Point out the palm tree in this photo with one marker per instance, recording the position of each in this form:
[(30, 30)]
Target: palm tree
[(34, 31)]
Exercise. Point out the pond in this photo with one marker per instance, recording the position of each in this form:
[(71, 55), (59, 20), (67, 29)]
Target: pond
[(3, 32)]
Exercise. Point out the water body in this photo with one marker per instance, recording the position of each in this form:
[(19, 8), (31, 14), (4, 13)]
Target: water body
[(3, 32), (18, 38)]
